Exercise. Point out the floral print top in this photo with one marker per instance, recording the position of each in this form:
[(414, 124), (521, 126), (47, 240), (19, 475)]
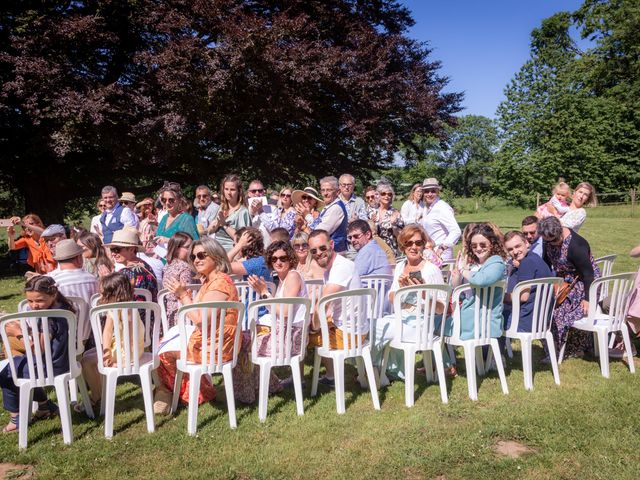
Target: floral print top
[(385, 225)]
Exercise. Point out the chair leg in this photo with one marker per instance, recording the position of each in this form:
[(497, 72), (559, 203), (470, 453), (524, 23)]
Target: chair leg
[(177, 383), (368, 365), (62, 392), (495, 347), (110, 403), (315, 374), (263, 393), (509, 349), (26, 395), (627, 346), (227, 374), (73, 390), (470, 362), (552, 357), (384, 380), (428, 365), (561, 353), (362, 376), (437, 354), (194, 389), (409, 376), (527, 367), (479, 361), (86, 401), (103, 400), (596, 346), (146, 383), (296, 374), (604, 353), (338, 371)]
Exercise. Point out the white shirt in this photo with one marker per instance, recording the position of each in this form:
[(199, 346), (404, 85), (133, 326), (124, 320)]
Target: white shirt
[(431, 275), (574, 219), (127, 217), (77, 283), (299, 311), (96, 227), (332, 218), (412, 212), (343, 273), (441, 225)]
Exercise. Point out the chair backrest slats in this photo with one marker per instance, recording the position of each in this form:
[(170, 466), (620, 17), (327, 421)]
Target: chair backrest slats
[(381, 284), (427, 300)]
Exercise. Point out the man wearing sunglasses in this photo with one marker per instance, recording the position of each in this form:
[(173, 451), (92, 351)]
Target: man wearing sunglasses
[(115, 216), (206, 210), (370, 259), (334, 217), (339, 274), (438, 220)]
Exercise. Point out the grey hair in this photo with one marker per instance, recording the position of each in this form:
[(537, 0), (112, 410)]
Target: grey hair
[(109, 189), (300, 236), (204, 187), (347, 175), (384, 187), (331, 179), (550, 228)]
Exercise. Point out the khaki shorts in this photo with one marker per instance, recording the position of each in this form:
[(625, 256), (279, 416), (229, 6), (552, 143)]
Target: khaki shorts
[(336, 338)]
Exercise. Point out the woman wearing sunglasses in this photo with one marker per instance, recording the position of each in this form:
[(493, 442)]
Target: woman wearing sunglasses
[(210, 262), (414, 270), (482, 264), (387, 219), (307, 266), (177, 268), (283, 216), (176, 220), (307, 204)]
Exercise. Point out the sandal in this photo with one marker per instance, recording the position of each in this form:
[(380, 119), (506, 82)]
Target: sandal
[(79, 407), (50, 410), (12, 426), (451, 372)]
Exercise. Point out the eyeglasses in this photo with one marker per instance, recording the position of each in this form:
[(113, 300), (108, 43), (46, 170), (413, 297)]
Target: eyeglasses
[(199, 256), (386, 194), (285, 195), (305, 197), (115, 249), (257, 190), (281, 258), (323, 248), (411, 243), (327, 190), (204, 195), (479, 245), (430, 190), (167, 199), (346, 184), (300, 246), (355, 236), (370, 197)]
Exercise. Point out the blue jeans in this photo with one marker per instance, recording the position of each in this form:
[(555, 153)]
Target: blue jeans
[(10, 393)]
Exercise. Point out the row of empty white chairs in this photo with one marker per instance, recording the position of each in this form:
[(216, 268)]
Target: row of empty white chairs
[(428, 341)]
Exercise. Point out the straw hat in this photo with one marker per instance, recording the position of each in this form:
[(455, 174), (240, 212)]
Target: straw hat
[(431, 183), (296, 196), (66, 249), (127, 237), (127, 197), (146, 201)]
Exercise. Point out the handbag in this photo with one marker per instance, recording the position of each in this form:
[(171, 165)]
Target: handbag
[(562, 291)]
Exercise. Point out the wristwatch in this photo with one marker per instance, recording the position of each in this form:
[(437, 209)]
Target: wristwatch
[(264, 296)]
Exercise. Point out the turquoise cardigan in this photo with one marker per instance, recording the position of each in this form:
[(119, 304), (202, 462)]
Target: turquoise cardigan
[(492, 271)]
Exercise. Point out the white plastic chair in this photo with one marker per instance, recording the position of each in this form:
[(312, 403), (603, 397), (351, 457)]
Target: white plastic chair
[(213, 320), (605, 264), (129, 358), (194, 287), (381, 284), (424, 339), (355, 314), (603, 324), (246, 295), (481, 333), (35, 326), (282, 311), (543, 306), (139, 292)]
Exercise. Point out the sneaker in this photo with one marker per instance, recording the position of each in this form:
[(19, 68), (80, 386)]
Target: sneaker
[(327, 382), (288, 382)]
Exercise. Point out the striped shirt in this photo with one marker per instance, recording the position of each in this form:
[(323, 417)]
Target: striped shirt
[(77, 283)]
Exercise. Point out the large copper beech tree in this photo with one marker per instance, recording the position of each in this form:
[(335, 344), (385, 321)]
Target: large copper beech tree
[(132, 92)]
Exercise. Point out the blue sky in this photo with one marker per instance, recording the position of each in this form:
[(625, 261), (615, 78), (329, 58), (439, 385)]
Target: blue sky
[(481, 43)]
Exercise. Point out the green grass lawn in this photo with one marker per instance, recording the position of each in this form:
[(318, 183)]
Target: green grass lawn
[(584, 428)]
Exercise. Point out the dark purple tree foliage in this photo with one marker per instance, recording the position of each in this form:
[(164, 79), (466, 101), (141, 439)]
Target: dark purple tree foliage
[(127, 93)]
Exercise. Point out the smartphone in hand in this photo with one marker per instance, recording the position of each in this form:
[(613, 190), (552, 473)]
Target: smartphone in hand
[(417, 275)]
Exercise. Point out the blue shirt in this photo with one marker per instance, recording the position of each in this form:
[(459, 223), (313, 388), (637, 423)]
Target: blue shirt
[(531, 267), (536, 247), (371, 260), (257, 266)]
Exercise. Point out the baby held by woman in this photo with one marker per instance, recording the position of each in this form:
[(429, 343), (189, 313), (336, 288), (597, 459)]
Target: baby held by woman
[(558, 204)]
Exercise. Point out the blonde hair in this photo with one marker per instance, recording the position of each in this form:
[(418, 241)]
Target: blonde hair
[(561, 187), (215, 252), (232, 178), (592, 201)]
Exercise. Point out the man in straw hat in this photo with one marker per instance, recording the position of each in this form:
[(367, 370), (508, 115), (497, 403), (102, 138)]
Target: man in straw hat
[(438, 220), (72, 280), (128, 200), (124, 248)]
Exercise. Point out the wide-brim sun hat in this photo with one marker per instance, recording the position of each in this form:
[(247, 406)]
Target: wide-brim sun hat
[(146, 201), (126, 238), (296, 196), (66, 249), (431, 183), (127, 197)]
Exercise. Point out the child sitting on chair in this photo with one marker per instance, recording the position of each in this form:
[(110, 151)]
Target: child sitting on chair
[(558, 204), (114, 288), (41, 294)]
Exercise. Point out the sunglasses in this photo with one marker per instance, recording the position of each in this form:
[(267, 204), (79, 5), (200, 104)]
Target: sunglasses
[(257, 190), (285, 195), (199, 256), (417, 243), (370, 197), (323, 248), (115, 249), (305, 197), (386, 194), (281, 258), (430, 190), (300, 246), (167, 200), (355, 236), (204, 195), (479, 245)]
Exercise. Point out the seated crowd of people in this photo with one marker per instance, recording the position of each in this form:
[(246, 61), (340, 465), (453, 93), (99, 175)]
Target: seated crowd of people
[(288, 238)]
